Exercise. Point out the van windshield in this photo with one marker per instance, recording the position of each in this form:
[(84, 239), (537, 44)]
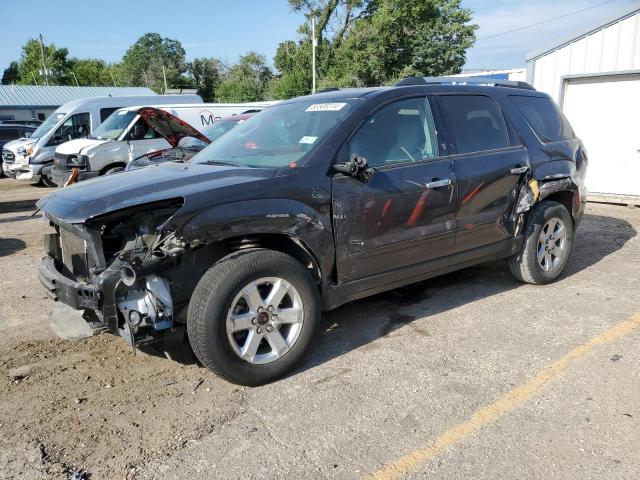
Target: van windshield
[(278, 136), (48, 124), (114, 125)]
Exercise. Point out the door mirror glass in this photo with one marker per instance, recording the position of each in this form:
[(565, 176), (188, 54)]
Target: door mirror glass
[(138, 132)]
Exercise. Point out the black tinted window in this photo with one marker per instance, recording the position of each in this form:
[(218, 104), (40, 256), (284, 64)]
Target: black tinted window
[(400, 132), (544, 117), (105, 112), (477, 123), (9, 133)]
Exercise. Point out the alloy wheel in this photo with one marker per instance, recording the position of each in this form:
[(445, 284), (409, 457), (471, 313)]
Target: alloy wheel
[(552, 243), (265, 320)]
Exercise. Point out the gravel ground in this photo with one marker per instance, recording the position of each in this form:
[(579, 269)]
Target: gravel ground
[(386, 377)]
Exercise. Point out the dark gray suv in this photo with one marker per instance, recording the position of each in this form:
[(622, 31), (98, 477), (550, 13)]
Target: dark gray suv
[(312, 203)]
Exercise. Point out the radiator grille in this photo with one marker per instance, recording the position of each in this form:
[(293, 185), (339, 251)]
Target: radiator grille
[(8, 156), (74, 255)]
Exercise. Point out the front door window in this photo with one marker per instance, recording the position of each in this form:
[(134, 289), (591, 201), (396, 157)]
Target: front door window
[(400, 132)]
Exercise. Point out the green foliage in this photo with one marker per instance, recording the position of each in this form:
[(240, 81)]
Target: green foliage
[(11, 74), (91, 72), (205, 73), (30, 65), (246, 81), (359, 43), (291, 84), (373, 42), (143, 61)]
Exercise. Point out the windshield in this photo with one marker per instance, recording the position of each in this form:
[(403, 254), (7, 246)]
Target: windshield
[(278, 136), (114, 125), (48, 124), (212, 133)]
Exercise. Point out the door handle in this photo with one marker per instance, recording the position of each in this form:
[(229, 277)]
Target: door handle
[(519, 170), (438, 183)]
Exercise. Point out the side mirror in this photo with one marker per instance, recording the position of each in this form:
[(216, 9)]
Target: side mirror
[(357, 167), (138, 132)]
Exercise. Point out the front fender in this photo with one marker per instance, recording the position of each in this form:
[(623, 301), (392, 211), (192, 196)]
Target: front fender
[(277, 216)]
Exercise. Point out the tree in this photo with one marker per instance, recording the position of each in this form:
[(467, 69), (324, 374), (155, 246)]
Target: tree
[(30, 66), (246, 81), (206, 76), (373, 42), (11, 74), (143, 61), (91, 72)]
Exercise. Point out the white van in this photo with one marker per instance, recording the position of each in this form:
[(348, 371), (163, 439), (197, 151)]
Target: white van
[(30, 159), (125, 136)]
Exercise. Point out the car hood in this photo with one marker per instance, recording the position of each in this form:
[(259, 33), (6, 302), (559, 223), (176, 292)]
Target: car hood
[(169, 127), (25, 142), (197, 184), (79, 146)]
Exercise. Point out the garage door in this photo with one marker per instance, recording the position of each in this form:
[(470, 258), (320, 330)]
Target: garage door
[(605, 113)]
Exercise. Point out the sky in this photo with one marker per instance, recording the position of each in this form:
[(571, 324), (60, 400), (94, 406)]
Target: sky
[(228, 28)]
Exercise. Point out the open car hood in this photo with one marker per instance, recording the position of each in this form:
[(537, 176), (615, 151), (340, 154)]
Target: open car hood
[(169, 127)]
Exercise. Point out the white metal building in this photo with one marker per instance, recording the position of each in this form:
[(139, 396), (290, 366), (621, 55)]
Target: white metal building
[(514, 74), (594, 76)]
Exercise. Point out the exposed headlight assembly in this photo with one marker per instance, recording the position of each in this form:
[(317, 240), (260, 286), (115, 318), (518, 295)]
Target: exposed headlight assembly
[(77, 161)]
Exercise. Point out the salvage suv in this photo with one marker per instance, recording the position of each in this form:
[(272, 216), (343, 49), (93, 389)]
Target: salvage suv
[(312, 203)]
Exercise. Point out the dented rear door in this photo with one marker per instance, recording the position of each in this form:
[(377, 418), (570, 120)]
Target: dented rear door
[(490, 165)]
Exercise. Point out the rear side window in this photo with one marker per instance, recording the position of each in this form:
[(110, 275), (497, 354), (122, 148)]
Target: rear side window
[(544, 117), (105, 112), (477, 123)]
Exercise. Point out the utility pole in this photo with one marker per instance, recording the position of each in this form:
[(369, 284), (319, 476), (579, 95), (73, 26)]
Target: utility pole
[(146, 80), (34, 77), (112, 79), (164, 74), (314, 44), (44, 63), (75, 78)]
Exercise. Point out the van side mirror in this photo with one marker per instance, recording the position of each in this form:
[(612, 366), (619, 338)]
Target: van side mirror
[(138, 132), (357, 167)]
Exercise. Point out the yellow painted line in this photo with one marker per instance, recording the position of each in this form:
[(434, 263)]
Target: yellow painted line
[(503, 405)]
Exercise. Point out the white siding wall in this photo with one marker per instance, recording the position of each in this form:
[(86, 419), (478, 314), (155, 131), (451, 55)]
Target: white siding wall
[(612, 49)]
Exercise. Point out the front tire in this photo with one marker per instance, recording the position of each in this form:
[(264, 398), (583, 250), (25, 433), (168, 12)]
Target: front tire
[(548, 238), (252, 316), (46, 180)]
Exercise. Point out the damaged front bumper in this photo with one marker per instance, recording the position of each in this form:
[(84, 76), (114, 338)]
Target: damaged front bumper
[(60, 288), (127, 297)]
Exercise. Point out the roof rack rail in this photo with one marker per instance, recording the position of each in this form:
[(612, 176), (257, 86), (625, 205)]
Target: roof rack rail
[(329, 89), (480, 81)]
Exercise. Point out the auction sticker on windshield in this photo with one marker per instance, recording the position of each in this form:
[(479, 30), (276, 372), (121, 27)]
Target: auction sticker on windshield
[(308, 139), (325, 107)]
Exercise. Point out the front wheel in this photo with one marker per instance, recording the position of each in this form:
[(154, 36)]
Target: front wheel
[(548, 238), (252, 316)]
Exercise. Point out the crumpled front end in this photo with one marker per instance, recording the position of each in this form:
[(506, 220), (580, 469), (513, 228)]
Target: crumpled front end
[(113, 266)]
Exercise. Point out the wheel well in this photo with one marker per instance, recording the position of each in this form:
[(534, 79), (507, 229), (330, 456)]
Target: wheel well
[(565, 198), (281, 243), (112, 165)]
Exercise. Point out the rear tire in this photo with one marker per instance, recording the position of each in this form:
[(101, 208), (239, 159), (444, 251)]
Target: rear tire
[(548, 238), (252, 316)]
